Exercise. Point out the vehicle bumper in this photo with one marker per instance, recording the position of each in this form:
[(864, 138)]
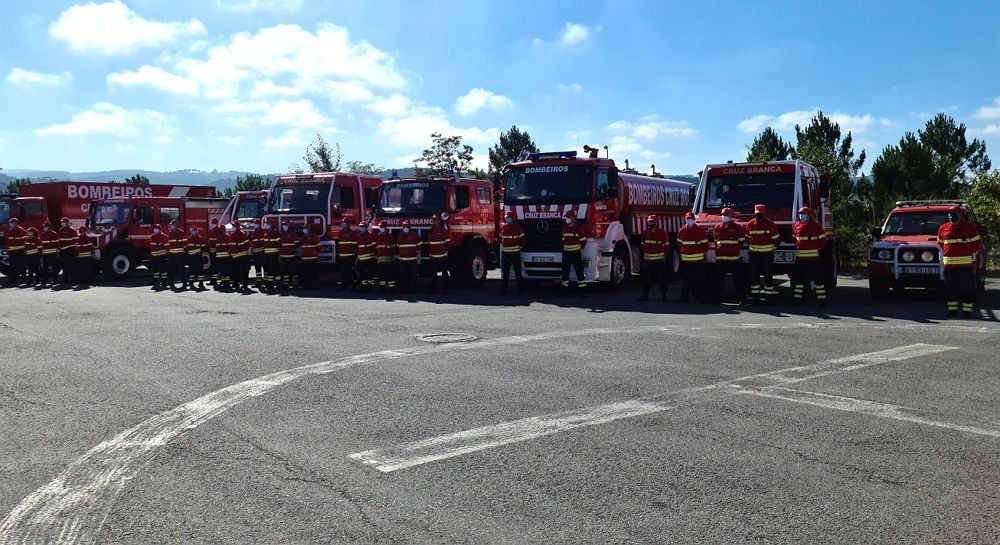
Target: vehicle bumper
[(548, 265)]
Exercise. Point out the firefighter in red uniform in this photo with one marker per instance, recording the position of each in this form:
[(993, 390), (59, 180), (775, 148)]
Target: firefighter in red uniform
[(437, 248), (67, 251), (511, 244), (655, 246), (50, 254), (176, 259), (158, 244), (196, 246), (408, 243), (729, 237), (347, 256), (286, 256), (85, 258), (385, 249), (694, 244), (573, 240), (258, 242), (17, 238), (214, 234), (810, 241), (763, 238), (311, 244), (224, 258), (239, 253), (272, 247), (32, 257), (367, 241), (960, 242)]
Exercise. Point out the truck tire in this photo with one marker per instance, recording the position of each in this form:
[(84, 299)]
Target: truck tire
[(472, 266), (119, 263), (831, 267), (621, 268), (206, 261)]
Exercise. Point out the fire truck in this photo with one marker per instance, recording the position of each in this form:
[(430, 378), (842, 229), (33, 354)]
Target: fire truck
[(612, 205), (321, 201), (245, 207), (784, 187), (121, 227), (906, 254), (467, 206), (51, 201)]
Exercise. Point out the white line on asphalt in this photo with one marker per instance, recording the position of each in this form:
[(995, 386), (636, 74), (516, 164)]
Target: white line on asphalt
[(416, 453), (867, 407)]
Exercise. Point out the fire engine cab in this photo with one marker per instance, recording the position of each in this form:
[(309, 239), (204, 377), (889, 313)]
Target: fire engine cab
[(611, 204), (245, 207), (905, 252)]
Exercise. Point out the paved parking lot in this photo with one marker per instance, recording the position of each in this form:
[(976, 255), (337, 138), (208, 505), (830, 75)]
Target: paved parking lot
[(137, 417)]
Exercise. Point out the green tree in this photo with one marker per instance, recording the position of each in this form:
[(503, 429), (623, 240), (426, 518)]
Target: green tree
[(984, 196), (514, 146), (15, 185), (137, 179), (250, 182), (479, 174), (359, 167), (321, 157), (768, 146), (446, 154)]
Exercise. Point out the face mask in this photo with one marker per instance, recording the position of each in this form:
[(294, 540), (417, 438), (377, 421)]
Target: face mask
[(406, 229), (45, 229), (267, 226), (363, 230), (726, 219), (569, 221), (509, 220), (157, 231), (64, 224), (345, 226), (690, 223), (194, 232), (650, 226), (803, 217), (284, 228)]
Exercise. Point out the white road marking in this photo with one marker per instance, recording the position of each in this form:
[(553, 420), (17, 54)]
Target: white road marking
[(867, 407), (416, 453)]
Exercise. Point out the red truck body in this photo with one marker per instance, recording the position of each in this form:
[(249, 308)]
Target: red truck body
[(245, 207), (470, 210), (320, 201)]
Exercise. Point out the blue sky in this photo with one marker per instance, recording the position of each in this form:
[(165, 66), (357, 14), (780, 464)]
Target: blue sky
[(246, 84)]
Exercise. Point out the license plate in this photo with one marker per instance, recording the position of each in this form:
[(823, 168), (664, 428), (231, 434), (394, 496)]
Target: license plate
[(784, 257), (543, 259), (918, 270)]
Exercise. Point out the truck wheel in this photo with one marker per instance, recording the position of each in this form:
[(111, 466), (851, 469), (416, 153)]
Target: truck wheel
[(206, 261), (832, 268), (621, 268), (119, 264), (473, 266), (878, 290)]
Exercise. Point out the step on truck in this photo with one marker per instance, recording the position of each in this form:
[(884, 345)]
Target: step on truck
[(905, 251), (611, 204), (121, 228), (467, 207), (320, 201), (784, 187)]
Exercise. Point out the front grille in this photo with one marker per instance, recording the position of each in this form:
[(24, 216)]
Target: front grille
[(548, 240)]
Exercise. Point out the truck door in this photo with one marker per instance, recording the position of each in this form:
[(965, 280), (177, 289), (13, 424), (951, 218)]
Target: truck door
[(168, 214), (486, 217)]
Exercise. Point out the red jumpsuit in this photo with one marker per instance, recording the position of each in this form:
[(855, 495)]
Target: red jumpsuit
[(655, 247), (763, 238), (574, 238), (693, 241), (409, 252), (960, 242), (385, 248), (158, 244), (366, 264), (347, 255), (437, 250), (810, 240), (311, 244), (729, 239), (511, 244)]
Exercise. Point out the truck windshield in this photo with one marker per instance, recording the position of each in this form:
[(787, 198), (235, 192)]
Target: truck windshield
[(558, 184), (298, 199), (113, 213), (408, 198), (4, 210), (743, 192), (251, 208), (915, 223)]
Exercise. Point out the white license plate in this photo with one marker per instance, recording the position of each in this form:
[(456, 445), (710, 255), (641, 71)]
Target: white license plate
[(918, 270), (784, 257), (543, 259)]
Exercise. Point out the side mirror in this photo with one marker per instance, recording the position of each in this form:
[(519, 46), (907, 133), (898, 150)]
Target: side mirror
[(824, 189), (613, 182)]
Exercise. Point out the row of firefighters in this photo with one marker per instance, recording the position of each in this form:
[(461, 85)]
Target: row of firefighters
[(371, 259)]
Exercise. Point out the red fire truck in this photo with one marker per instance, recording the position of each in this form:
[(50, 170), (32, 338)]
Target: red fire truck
[(245, 207), (320, 201), (613, 206), (906, 254), (784, 187), (121, 227), (468, 207)]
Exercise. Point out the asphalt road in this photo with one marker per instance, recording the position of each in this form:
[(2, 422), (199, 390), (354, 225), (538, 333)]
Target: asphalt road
[(129, 416)]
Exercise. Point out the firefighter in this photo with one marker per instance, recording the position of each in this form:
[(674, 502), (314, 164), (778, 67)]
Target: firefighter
[(311, 244), (272, 246), (67, 251), (214, 234), (258, 242), (763, 238), (385, 249), (694, 244), (32, 257), (810, 241), (437, 249), (85, 258), (223, 261), (286, 256), (17, 238), (511, 244), (960, 243), (176, 259), (347, 256), (366, 257), (408, 243), (50, 254), (573, 241), (196, 246), (158, 244), (729, 237), (655, 247), (239, 255)]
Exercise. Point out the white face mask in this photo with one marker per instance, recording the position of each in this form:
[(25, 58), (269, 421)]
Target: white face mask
[(509, 220), (406, 229), (569, 221), (284, 228), (726, 219), (690, 223), (157, 231), (803, 217), (45, 229), (194, 232), (267, 226), (64, 224), (362, 229)]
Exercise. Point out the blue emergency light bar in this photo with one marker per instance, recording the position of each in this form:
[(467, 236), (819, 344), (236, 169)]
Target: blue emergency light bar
[(548, 155)]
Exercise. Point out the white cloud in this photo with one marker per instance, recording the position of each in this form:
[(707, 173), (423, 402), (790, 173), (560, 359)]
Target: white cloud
[(569, 88), (856, 124), (245, 6), (26, 78), (988, 130), (886, 123), (989, 112), (109, 119), (478, 99), (292, 138), (408, 124), (392, 106), (154, 77), (754, 124), (574, 33), (227, 139), (294, 113), (112, 28), (268, 88), (788, 120), (651, 127)]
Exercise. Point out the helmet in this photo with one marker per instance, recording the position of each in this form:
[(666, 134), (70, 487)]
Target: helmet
[(805, 210), (173, 223), (436, 217), (32, 231), (13, 221), (46, 223), (284, 223), (509, 214), (363, 224), (727, 211), (381, 224), (156, 226), (64, 220), (406, 223), (214, 221), (651, 219), (82, 230), (689, 216), (956, 209), (759, 208)]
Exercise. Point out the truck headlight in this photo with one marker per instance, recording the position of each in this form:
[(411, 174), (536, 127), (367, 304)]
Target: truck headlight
[(909, 256), (927, 256), (884, 255)]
